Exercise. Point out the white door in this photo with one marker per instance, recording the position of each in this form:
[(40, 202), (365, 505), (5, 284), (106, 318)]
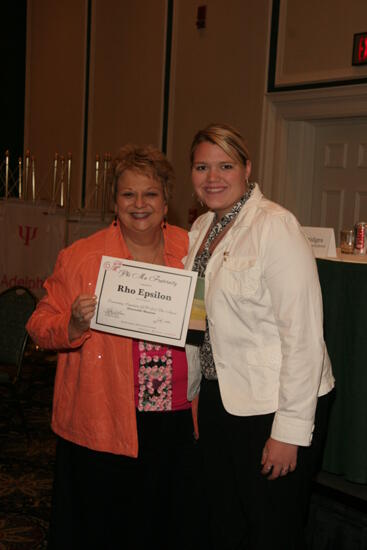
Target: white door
[(339, 197)]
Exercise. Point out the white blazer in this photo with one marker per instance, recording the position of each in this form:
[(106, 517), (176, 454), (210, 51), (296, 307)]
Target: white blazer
[(264, 309)]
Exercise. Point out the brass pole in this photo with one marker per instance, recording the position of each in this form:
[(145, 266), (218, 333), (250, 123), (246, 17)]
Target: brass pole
[(33, 179), (56, 159), (6, 174), (20, 168)]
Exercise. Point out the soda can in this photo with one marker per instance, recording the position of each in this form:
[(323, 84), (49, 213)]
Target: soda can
[(360, 238)]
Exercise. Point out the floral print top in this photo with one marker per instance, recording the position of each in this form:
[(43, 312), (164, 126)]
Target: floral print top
[(160, 374)]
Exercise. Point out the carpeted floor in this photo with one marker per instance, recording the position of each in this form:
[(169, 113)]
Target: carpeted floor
[(26, 466), (337, 522)]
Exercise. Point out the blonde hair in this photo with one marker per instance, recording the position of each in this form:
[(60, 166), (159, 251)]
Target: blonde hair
[(146, 160), (226, 137)]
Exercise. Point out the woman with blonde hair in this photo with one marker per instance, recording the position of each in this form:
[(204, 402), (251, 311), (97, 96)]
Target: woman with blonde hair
[(262, 371)]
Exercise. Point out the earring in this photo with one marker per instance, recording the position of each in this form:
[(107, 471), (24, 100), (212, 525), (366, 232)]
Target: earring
[(115, 220), (164, 222), (194, 196)]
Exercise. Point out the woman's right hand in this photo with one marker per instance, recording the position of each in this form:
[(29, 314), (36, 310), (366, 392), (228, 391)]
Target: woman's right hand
[(82, 311)]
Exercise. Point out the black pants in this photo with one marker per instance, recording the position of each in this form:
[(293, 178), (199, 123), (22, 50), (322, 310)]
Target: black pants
[(106, 501), (247, 511)]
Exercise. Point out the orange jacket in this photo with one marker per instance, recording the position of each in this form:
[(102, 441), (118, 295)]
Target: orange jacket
[(94, 387)]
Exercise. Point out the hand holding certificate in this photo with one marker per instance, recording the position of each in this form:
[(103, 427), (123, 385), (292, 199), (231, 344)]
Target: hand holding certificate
[(144, 301)]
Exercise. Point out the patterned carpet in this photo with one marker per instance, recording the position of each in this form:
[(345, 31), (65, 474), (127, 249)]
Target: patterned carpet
[(26, 473), (26, 466)]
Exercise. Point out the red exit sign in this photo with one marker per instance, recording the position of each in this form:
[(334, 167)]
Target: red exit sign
[(360, 49)]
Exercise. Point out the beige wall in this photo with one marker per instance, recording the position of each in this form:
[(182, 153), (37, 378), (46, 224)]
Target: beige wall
[(316, 40), (125, 87), (218, 75), (54, 116), (127, 76)]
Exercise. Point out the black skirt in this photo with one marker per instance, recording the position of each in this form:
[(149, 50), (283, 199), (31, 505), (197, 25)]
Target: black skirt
[(108, 501)]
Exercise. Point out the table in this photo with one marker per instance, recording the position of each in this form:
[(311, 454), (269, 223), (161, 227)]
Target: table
[(344, 289)]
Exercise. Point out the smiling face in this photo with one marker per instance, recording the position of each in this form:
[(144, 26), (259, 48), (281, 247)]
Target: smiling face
[(140, 204), (219, 180)]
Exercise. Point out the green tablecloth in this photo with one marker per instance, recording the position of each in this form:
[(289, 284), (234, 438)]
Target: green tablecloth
[(344, 290)]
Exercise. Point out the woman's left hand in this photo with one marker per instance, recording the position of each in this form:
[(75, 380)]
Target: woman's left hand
[(278, 458)]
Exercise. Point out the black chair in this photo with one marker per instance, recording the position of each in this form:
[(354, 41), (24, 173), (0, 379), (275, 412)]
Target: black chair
[(16, 306)]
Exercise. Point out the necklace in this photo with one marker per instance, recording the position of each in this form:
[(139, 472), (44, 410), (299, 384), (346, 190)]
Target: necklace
[(143, 257)]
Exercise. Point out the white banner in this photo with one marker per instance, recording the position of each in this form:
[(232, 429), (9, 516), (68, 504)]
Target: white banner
[(31, 237)]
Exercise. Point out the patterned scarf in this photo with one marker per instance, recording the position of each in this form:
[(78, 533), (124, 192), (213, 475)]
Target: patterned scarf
[(201, 261)]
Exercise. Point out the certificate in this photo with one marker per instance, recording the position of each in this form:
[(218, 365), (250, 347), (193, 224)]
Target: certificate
[(144, 301)]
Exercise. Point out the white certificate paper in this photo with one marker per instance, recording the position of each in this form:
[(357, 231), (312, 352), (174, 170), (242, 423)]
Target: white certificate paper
[(144, 301)]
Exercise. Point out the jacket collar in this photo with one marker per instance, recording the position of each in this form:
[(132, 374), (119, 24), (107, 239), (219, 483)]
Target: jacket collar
[(175, 243), (245, 217)]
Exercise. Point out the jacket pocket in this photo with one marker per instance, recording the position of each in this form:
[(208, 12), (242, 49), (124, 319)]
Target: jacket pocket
[(241, 276), (264, 368)]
